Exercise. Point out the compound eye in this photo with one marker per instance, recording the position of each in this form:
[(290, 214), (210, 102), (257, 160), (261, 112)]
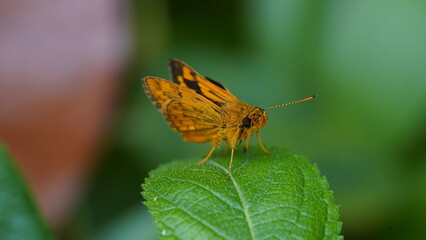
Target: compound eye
[(246, 122)]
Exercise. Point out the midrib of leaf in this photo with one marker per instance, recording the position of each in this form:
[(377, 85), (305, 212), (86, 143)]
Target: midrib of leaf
[(242, 199)]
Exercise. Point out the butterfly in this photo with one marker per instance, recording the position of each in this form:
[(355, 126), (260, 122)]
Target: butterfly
[(203, 110)]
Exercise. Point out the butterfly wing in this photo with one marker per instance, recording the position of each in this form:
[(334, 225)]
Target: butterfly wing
[(187, 112), (184, 75), (160, 90), (195, 120)]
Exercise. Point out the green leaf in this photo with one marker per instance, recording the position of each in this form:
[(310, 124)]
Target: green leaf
[(19, 218), (276, 196)]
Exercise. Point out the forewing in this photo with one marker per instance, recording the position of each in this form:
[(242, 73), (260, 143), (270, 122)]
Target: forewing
[(196, 120), (184, 75), (160, 90)]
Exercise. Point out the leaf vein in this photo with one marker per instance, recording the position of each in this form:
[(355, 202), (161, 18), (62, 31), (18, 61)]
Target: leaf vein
[(216, 194), (190, 214)]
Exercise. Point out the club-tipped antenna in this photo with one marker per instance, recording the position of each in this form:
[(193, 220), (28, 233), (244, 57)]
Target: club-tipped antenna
[(298, 101)]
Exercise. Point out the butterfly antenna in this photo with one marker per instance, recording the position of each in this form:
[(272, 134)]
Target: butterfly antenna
[(298, 101)]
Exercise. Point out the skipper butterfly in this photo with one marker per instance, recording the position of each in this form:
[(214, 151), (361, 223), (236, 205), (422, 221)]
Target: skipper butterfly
[(203, 110)]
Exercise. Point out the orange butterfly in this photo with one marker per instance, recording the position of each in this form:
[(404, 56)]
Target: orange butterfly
[(203, 110)]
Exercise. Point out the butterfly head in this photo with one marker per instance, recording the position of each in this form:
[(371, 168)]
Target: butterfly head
[(255, 120)]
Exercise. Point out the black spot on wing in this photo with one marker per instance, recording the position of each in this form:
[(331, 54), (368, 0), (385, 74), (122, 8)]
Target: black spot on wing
[(175, 69), (215, 102), (193, 74), (193, 85), (216, 83)]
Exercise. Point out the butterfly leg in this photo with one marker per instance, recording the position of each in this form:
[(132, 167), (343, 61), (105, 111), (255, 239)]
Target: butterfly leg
[(233, 144), (230, 162), (208, 155), (246, 145), (261, 144)]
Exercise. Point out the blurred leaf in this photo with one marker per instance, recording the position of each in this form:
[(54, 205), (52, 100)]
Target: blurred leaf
[(19, 218), (281, 195)]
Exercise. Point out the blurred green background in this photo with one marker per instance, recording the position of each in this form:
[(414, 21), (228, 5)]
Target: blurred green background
[(366, 130)]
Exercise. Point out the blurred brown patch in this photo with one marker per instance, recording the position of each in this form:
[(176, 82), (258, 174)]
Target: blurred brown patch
[(60, 65)]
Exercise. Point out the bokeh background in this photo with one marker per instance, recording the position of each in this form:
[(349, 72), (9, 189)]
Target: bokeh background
[(75, 117)]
